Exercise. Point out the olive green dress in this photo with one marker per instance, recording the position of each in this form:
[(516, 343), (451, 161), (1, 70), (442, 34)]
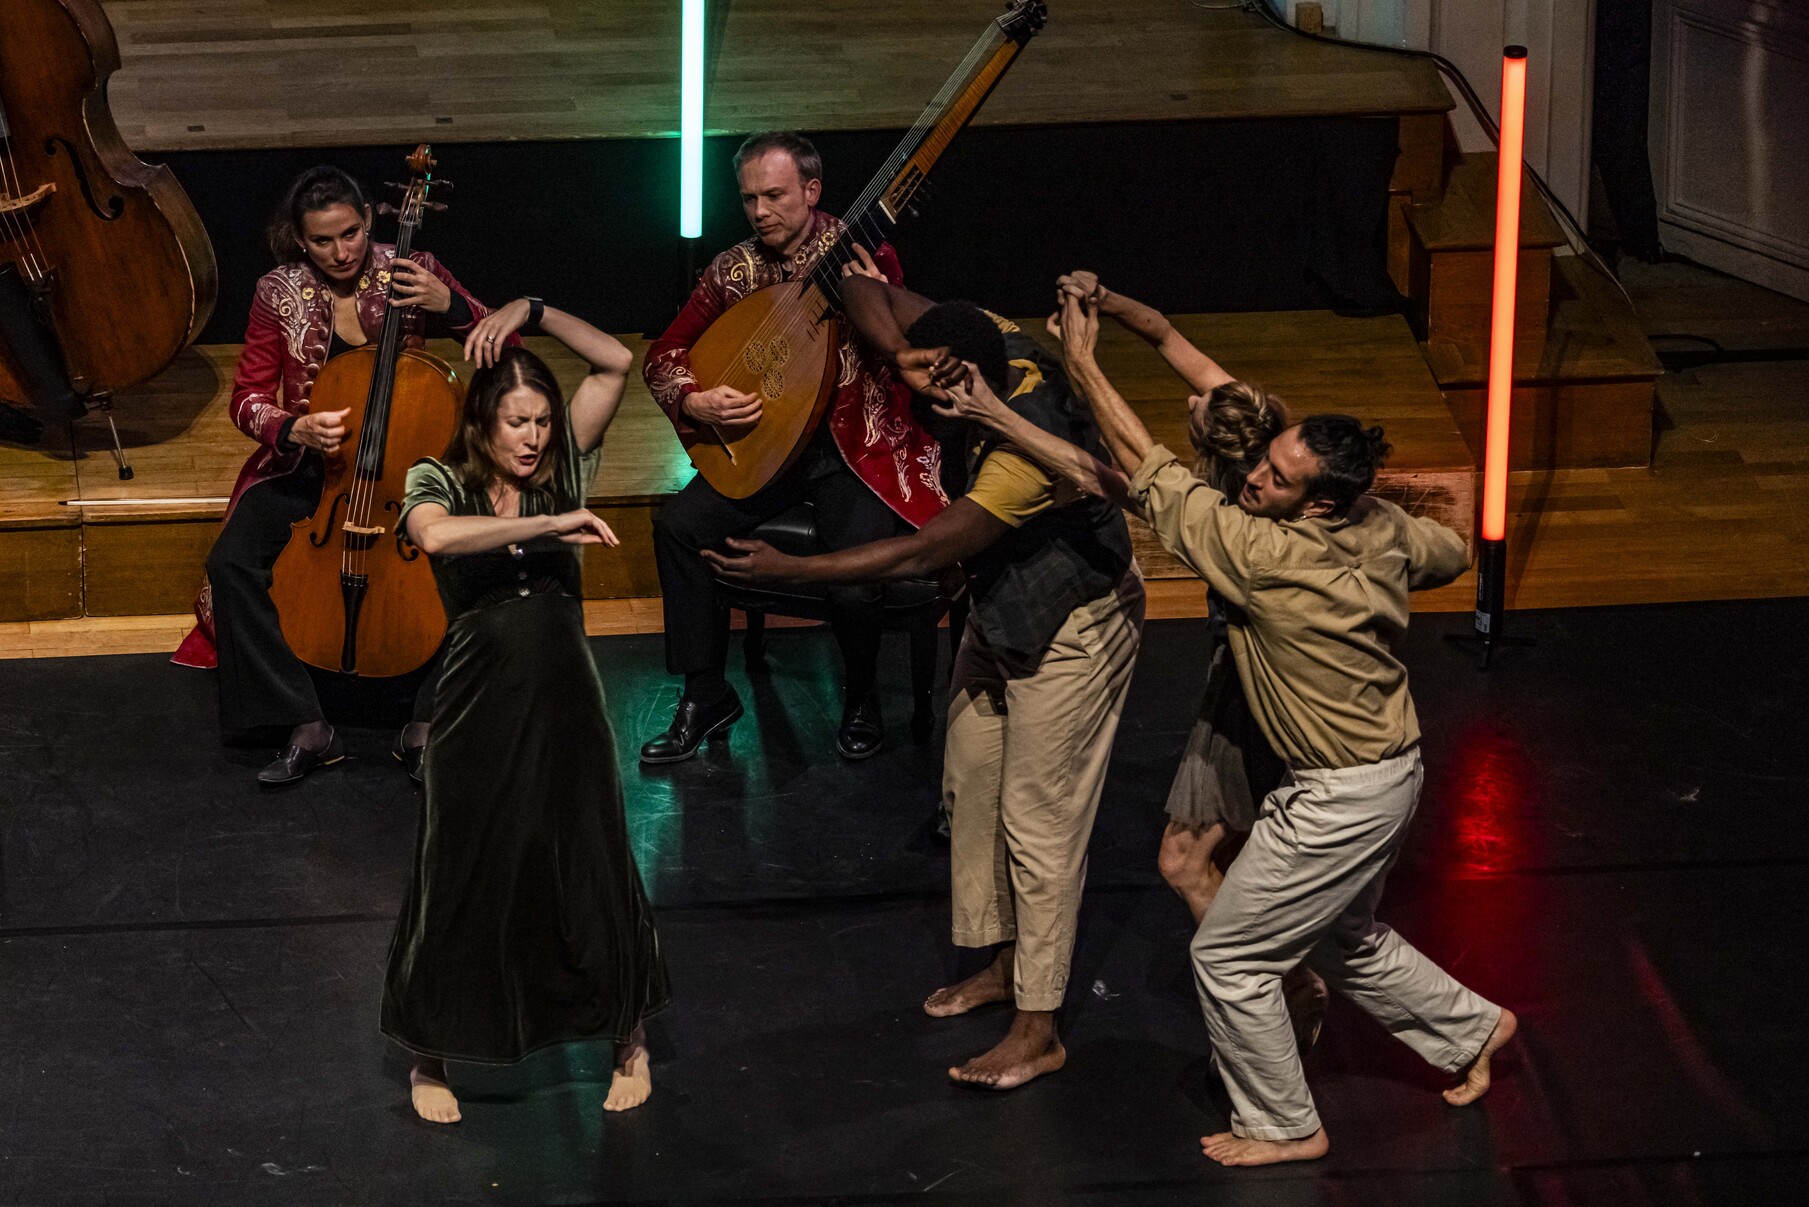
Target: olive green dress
[(526, 923)]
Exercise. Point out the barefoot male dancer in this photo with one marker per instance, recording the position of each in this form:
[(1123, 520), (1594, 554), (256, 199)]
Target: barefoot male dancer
[(1039, 683), (1317, 574)]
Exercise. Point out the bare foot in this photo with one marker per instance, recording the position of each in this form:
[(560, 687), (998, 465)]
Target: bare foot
[(1228, 1149), (432, 1097), (1028, 1050), (1476, 1078), (990, 984), (632, 1083)]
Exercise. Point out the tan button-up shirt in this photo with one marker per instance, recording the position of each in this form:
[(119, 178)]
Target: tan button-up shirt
[(1317, 606)]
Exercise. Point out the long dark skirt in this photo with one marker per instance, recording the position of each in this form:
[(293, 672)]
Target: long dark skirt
[(526, 923)]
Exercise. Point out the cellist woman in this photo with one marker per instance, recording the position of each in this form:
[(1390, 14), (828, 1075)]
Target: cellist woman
[(327, 295)]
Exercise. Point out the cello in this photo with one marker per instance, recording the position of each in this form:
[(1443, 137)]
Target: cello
[(107, 251), (778, 342), (352, 593)]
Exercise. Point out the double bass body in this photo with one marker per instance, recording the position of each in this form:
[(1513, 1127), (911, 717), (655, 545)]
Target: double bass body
[(131, 276)]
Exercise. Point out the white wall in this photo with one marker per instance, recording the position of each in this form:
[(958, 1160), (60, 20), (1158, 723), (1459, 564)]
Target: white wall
[(1559, 36), (1730, 136)]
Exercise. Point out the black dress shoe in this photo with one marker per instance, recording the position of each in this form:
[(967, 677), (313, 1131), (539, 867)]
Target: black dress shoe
[(295, 764), (691, 724), (863, 732), (411, 757)]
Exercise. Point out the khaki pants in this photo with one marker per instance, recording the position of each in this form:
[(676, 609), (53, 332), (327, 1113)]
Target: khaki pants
[(1305, 887), (1025, 765)]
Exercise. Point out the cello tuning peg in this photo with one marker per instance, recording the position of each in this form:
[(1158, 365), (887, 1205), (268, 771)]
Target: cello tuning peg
[(384, 207), (442, 184), (438, 207)]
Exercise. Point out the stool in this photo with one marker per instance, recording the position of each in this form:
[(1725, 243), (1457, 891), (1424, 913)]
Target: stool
[(914, 606)]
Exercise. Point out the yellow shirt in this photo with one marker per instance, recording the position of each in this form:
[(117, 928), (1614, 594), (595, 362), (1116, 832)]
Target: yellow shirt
[(1010, 485), (1323, 602)]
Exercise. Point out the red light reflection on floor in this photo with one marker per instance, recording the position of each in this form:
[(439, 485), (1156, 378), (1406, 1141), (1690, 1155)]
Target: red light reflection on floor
[(1488, 798)]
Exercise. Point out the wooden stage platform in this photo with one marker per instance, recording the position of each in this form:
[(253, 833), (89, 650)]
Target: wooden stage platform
[(85, 543), (1722, 511), (216, 74)]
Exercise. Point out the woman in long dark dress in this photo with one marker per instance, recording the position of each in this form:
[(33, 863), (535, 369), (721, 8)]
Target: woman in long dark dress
[(526, 924)]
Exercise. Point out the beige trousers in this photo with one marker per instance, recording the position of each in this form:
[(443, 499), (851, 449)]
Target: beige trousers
[(1305, 886), (1025, 764)]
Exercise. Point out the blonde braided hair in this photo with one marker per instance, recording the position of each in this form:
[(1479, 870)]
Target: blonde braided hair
[(1230, 433)]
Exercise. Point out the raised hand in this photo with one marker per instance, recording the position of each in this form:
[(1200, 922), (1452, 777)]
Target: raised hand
[(972, 399), (928, 370), (1078, 327), (486, 341), (412, 285)]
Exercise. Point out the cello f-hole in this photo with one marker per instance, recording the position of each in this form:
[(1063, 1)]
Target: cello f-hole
[(116, 205), (405, 548), (325, 534)]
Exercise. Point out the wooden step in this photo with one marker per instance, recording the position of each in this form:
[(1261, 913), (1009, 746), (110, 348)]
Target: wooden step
[(1450, 264), (40, 537), (1583, 396)]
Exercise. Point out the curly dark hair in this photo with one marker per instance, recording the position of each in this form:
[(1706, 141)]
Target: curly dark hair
[(1231, 436), (1349, 456), (471, 455), (969, 334), (318, 188)]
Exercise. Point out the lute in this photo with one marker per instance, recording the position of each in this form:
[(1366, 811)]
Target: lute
[(780, 342)]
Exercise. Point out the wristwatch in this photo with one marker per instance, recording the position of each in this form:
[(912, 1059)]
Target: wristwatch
[(536, 308)]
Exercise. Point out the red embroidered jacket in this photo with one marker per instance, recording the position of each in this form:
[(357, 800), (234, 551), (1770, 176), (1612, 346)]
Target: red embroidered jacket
[(286, 343), (870, 415)]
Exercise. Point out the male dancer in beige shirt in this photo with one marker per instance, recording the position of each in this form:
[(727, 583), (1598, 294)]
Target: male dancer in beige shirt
[(1317, 574)]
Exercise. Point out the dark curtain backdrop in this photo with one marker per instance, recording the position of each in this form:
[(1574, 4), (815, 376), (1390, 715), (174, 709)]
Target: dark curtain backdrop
[(1191, 217)]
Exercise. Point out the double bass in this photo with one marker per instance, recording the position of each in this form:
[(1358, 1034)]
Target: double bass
[(352, 593), (106, 251), (779, 342)]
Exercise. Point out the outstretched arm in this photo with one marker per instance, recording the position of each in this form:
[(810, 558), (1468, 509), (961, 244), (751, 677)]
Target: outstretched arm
[(436, 531), (1196, 368), (1125, 437), (959, 531)]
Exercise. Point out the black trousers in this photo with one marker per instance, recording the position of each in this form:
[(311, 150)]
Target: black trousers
[(262, 683), (848, 513)]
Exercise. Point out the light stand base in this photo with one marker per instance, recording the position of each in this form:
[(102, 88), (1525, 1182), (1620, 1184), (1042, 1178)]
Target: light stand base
[(1491, 607)]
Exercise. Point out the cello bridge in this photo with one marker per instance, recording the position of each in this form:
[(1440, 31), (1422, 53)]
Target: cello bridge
[(360, 530)]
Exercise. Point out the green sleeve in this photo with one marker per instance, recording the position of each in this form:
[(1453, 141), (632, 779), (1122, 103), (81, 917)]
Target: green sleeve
[(428, 482)]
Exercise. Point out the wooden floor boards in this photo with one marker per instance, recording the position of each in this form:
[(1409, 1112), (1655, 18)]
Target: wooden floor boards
[(298, 73)]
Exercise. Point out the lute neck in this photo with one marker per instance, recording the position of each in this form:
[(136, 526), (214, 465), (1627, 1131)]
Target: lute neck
[(889, 195)]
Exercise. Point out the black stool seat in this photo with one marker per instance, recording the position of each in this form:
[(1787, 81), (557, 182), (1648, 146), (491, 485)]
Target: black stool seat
[(914, 606)]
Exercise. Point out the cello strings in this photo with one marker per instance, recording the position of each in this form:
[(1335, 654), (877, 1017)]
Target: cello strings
[(31, 236), (376, 419), (18, 227)]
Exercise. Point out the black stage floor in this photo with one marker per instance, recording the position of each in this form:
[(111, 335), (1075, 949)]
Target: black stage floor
[(1612, 842)]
